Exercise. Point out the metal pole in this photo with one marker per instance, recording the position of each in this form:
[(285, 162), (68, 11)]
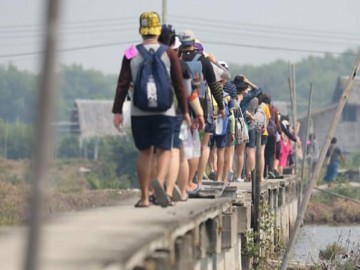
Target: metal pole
[(164, 11), (307, 133), (314, 177), (46, 100)]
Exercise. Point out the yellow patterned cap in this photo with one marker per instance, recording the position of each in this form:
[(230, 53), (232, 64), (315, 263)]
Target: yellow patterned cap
[(150, 24)]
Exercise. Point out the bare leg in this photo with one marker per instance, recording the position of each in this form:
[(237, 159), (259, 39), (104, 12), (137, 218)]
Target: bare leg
[(193, 165), (240, 154), (183, 175), (212, 159), (250, 161), (205, 151), (228, 162), (163, 164), (262, 162), (143, 167), (173, 170), (220, 164)]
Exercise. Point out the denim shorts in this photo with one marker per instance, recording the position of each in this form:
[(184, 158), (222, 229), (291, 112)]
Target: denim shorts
[(153, 130), (252, 138), (219, 140)]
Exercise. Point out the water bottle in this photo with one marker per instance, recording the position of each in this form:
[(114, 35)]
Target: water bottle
[(184, 131), (219, 125), (151, 92)]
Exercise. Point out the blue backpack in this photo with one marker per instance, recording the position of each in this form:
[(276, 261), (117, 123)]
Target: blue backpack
[(152, 86), (198, 82)]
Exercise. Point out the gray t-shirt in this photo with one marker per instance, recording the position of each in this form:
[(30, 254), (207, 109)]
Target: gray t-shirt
[(252, 107)]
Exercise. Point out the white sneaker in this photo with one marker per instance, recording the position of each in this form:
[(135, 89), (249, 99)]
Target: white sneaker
[(240, 180)]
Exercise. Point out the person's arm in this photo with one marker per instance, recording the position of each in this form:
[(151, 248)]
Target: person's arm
[(224, 74), (178, 82), (277, 121), (215, 87), (122, 87), (288, 133)]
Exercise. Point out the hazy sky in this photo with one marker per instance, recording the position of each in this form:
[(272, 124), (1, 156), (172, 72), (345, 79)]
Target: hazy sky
[(96, 32)]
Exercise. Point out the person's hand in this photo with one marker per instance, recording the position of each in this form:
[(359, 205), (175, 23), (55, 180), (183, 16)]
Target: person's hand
[(118, 120), (222, 112), (211, 58), (201, 122), (232, 137), (186, 117)]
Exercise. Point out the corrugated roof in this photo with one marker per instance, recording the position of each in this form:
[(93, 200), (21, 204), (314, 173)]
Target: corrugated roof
[(96, 119)]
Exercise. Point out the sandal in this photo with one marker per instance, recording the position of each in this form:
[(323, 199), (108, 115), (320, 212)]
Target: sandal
[(139, 204), (176, 194), (159, 192)]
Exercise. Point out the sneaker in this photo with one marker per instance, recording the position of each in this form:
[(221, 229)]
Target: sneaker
[(212, 175), (240, 180), (271, 175), (231, 176)]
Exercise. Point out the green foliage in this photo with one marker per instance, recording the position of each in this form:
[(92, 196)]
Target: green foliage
[(266, 243), (341, 255), (16, 140), (341, 187)]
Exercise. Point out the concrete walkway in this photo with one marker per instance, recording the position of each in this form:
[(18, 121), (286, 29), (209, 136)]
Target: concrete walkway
[(100, 238)]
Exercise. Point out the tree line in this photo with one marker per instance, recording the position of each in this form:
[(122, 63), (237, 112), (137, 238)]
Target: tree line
[(18, 93)]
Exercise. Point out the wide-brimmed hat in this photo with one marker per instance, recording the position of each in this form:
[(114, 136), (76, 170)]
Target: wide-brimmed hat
[(150, 24)]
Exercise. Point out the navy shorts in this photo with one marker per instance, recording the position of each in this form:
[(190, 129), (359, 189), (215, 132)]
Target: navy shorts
[(153, 130), (176, 140), (252, 138), (219, 140)]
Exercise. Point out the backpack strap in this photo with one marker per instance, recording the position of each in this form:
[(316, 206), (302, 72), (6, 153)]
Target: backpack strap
[(161, 50), (197, 57), (144, 52)]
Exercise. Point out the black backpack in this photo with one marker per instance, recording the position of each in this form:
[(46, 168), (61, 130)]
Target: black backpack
[(152, 86)]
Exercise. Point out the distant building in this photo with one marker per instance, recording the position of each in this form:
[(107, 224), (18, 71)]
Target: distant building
[(92, 120), (348, 129)]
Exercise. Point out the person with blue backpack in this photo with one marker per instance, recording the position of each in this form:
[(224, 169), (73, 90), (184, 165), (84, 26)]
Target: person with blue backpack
[(155, 71)]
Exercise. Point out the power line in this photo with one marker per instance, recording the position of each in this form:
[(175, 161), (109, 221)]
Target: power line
[(70, 49), (231, 44)]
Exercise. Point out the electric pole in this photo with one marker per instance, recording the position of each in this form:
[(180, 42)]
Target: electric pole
[(164, 11)]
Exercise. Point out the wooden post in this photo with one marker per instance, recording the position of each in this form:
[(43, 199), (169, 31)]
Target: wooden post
[(293, 108), (46, 101), (304, 143), (257, 194), (315, 175)]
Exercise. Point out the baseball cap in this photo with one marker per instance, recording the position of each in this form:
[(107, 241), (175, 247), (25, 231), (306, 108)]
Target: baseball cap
[(239, 82), (150, 24), (224, 64), (187, 38)]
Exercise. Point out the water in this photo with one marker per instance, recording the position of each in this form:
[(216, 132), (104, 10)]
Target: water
[(313, 238)]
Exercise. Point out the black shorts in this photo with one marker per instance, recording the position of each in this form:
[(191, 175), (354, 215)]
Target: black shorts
[(153, 130), (252, 138)]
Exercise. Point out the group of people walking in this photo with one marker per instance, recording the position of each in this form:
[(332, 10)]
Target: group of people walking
[(212, 123)]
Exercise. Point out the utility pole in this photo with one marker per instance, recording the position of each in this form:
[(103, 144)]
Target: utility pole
[(46, 101), (299, 219), (164, 12), (308, 121)]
